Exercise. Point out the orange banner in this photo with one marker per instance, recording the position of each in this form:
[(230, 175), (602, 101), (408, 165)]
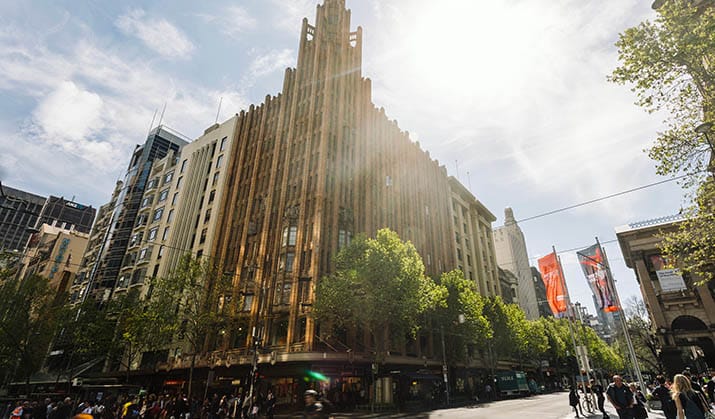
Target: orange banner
[(554, 282)]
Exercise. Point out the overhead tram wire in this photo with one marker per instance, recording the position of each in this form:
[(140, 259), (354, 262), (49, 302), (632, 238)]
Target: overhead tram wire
[(603, 198)]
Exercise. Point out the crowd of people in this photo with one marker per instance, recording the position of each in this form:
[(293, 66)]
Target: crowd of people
[(685, 397)]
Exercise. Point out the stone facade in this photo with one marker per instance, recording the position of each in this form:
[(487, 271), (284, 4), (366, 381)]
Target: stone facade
[(681, 311)]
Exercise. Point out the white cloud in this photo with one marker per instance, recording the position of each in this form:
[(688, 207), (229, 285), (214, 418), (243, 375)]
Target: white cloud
[(157, 33), (69, 112), (92, 106), (232, 20), (269, 62)]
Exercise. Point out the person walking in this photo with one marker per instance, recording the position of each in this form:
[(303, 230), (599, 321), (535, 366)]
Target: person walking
[(662, 393), (574, 401), (597, 389), (313, 408), (620, 396), (639, 401), (688, 403)]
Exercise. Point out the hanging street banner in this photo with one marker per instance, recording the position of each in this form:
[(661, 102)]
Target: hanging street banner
[(594, 266), (553, 280)]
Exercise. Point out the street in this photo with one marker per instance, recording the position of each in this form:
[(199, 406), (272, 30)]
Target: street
[(549, 406)]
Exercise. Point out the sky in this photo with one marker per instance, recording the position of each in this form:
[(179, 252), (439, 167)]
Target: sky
[(511, 97)]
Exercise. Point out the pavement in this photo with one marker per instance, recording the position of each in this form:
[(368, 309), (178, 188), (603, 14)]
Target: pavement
[(458, 411)]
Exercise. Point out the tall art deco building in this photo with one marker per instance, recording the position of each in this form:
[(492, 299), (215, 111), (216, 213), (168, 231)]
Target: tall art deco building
[(271, 196), (312, 167)]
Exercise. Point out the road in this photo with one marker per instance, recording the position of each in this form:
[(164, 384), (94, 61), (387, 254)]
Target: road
[(548, 406)]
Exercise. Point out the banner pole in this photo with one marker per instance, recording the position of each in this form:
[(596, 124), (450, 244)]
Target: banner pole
[(569, 311), (624, 325)]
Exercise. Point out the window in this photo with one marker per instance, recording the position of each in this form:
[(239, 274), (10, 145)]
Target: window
[(247, 302), (158, 213), (146, 202), (202, 240), (174, 198), (388, 180), (136, 239), (152, 183), (219, 161), (166, 232), (344, 238), (289, 236), (290, 257), (183, 166), (212, 196), (152, 234), (168, 177), (178, 182), (215, 180), (207, 217), (170, 217), (163, 194), (222, 147), (143, 253), (161, 252)]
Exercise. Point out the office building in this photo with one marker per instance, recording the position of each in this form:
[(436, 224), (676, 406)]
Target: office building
[(512, 256)]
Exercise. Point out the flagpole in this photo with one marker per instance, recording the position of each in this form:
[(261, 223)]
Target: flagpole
[(627, 335), (569, 307)]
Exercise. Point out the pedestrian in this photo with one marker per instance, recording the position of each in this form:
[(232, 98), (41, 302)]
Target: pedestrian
[(313, 408), (620, 396), (693, 382), (270, 404), (688, 404), (639, 401), (574, 401), (662, 393), (710, 388), (597, 389)]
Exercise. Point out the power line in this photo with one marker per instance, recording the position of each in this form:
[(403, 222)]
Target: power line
[(556, 211)]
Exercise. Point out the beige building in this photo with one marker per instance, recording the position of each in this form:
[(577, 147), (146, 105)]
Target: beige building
[(474, 242), (54, 253), (681, 311), (512, 256)]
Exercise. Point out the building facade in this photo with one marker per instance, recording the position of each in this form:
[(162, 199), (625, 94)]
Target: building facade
[(540, 290), (54, 253), (682, 312), (18, 216), (512, 255), (119, 220), (65, 214)]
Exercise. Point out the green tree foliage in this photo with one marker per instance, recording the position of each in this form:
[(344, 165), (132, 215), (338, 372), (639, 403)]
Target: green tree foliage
[(28, 318), (380, 285), (185, 305), (670, 65), (460, 315), (641, 331)]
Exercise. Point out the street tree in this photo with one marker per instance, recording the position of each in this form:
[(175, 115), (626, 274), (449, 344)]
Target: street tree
[(460, 316), (380, 285), (186, 304), (669, 64), (28, 317), (641, 331)]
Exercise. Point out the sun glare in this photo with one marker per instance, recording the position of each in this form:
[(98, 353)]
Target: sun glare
[(465, 47)]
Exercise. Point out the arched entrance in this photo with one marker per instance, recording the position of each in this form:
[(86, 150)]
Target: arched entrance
[(695, 343)]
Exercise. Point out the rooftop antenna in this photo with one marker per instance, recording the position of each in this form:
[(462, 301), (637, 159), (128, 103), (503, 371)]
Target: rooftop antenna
[(152, 119), (161, 118), (219, 109)]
